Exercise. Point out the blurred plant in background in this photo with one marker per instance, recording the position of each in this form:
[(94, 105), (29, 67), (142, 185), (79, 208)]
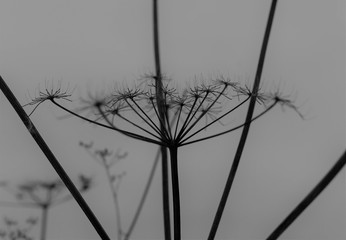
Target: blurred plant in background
[(14, 230), (42, 194), (159, 113), (107, 159)]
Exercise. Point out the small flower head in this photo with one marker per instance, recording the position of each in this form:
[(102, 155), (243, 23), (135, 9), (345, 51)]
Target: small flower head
[(49, 93), (226, 82), (284, 101), (92, 103), (246, 91)]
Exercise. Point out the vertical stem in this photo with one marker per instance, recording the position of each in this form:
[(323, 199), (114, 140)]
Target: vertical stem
[(117, 209), (161, 109), (175, 187), (115, 200), (246, 128), (325, 181), (165, 194), (44, 222)]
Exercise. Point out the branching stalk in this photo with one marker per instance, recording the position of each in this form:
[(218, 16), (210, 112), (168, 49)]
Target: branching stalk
[(152, 125), (214, 121), (229, 130), (203, 113)]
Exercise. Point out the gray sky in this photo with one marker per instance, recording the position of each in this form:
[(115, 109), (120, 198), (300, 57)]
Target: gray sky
[(92, 44)]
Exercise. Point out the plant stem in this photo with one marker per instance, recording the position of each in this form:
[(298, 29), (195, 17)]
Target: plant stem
[(115, 200), (161, 109), (175, 188), (145, 193), (44, 221), (165, 194), (53, 161), (325, 181), (246, 128)]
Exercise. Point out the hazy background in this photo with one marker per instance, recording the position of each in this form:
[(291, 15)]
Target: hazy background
[(92, 44)]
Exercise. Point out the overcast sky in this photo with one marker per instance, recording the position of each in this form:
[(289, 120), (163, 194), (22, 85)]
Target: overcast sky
[(92, 44)]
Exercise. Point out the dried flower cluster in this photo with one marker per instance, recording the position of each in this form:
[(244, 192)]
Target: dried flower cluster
[(45, 193), (15, 231), (134, 111)]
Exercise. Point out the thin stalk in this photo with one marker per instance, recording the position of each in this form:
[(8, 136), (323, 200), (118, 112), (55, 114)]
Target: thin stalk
[(163, 131), (183, 143), (61, 200), (35, 198), (44, 220), (325, 181), (175, 188), (161, 109), (203, 113), (115, 201), (184, 126), (53, 161), (134, 124), (144, 196), (168, 124), (153, 126), (246, 128), (111, 126), (215, 120), (184, 131), (178, 120)]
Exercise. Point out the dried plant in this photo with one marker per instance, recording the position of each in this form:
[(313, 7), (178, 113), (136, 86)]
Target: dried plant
[(43, 195), (107, 159), (158, 113), (14, 230), (134, 112)]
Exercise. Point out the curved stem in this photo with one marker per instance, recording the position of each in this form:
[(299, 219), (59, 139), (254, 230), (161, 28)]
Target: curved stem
[(246, 128), (175, 188), (111, 126)]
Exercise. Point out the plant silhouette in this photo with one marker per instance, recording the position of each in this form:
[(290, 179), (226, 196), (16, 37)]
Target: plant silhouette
[(158, 113), (14, 230), (171, 118), (43, 195), (107, 159)]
